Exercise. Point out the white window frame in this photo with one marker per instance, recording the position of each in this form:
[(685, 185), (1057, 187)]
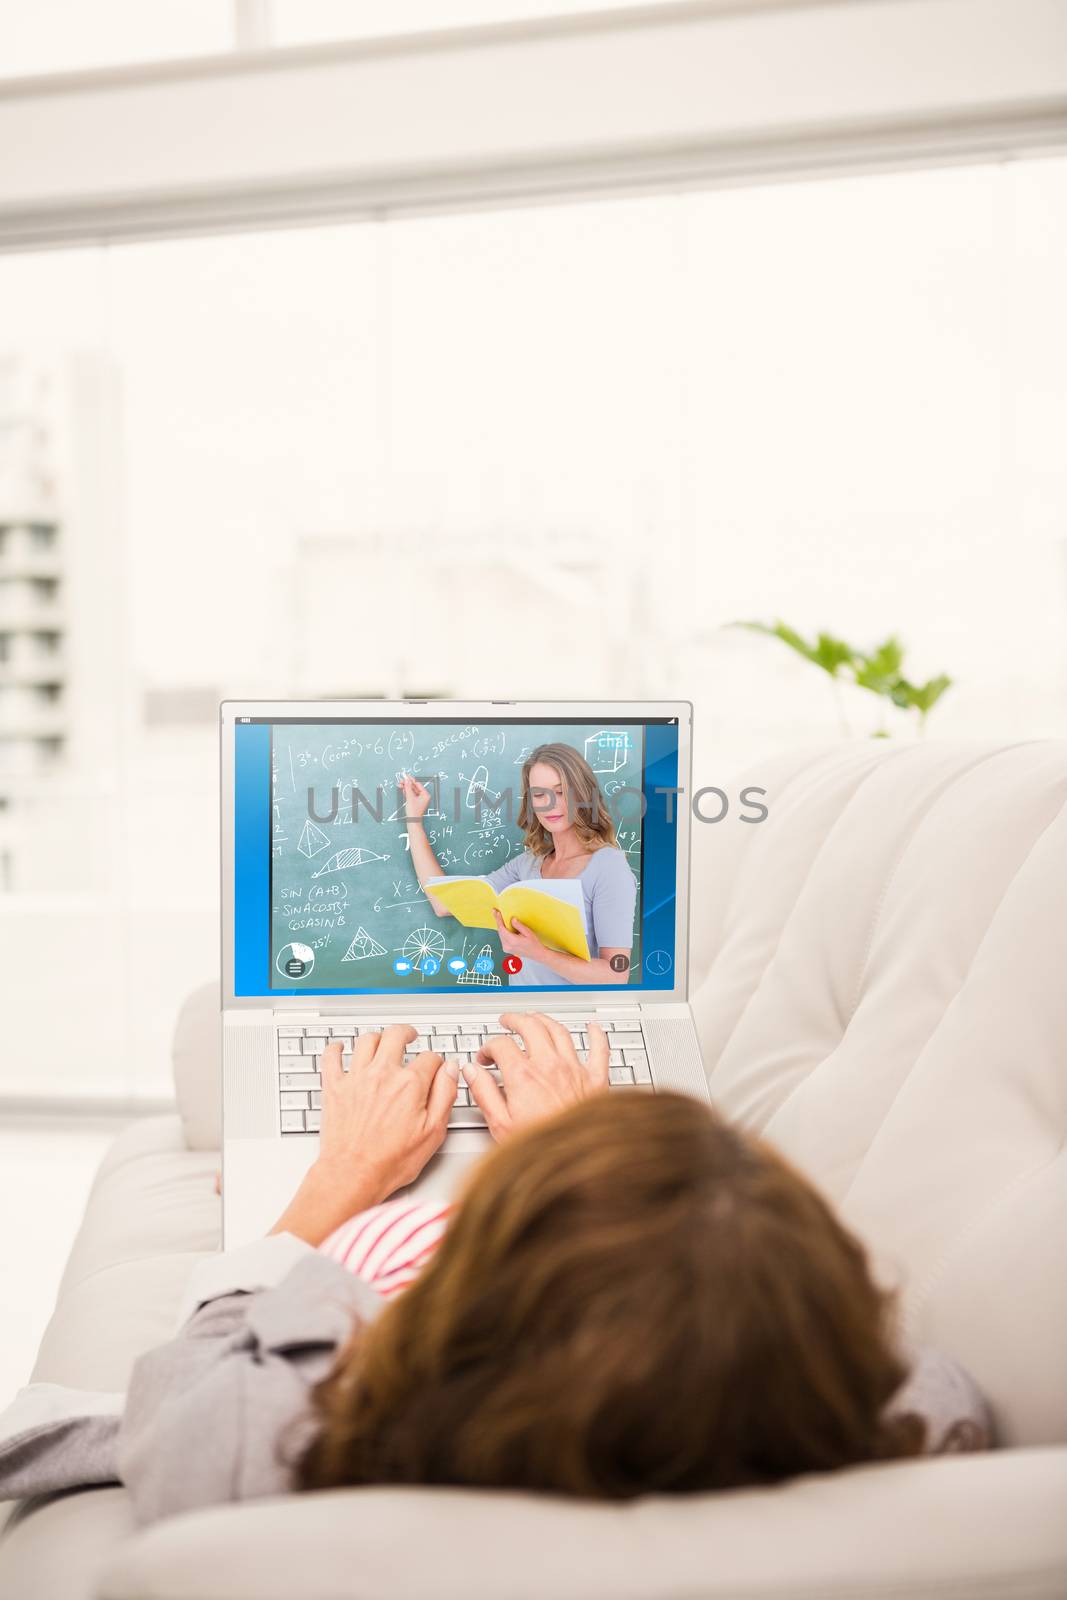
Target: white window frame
[(702, 93)]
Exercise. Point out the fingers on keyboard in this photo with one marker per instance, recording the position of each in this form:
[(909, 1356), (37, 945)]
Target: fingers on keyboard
[(301, 1048)]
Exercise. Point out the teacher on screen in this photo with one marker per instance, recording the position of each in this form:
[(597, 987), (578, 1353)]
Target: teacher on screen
[(569, 834)]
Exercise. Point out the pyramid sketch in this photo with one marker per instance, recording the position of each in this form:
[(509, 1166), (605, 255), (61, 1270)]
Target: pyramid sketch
[(353, 857), (363, 945), (486, 980), (312, 840)]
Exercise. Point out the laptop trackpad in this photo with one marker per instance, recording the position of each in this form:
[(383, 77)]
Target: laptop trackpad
[(445, 1172), (261, 1176)]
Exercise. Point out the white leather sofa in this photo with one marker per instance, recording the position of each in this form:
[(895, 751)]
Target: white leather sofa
[(879, 984)]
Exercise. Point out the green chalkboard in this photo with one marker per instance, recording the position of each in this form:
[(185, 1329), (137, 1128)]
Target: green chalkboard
[(345, 900)]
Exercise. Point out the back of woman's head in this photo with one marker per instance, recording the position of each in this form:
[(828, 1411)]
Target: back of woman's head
[(632, 1297)]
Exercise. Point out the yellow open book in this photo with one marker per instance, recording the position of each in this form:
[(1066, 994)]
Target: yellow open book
[(554, 911)]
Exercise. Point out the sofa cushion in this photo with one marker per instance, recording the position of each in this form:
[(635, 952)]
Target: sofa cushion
[(152, 1212), (886, 1002), (953, 1529), (197, 1056), (57, 1548)]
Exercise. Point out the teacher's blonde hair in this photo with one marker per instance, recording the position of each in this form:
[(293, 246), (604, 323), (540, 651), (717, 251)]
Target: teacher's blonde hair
[(586, 806)]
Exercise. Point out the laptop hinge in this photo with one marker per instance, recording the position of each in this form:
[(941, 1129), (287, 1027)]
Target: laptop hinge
[(549, 1002)]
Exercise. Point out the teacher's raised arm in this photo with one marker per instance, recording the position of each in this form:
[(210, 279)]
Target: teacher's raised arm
[(416, 804)]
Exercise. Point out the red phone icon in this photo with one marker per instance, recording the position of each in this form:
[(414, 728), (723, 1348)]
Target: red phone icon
[(512, 963)]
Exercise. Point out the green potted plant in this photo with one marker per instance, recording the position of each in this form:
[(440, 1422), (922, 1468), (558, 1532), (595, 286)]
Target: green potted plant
[(880, 671)]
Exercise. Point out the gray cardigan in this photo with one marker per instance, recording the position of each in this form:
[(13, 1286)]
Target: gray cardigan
[(218, 1413), (221, 1412)]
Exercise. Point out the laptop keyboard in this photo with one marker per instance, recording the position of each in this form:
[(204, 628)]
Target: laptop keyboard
[(300, 1047)]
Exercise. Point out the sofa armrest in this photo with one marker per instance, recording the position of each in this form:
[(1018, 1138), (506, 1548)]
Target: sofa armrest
[(197, 1056), (946, 1529)]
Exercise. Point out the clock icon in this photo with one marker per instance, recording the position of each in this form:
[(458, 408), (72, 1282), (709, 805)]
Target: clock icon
[(658, 962)]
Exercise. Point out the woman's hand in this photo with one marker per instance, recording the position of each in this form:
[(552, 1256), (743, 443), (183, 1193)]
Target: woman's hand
[(416, 798), (382, 1120), (383, 1114), (539, 1080), (521, 941)]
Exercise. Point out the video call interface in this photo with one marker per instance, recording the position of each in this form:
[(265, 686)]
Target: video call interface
[(328, 898)]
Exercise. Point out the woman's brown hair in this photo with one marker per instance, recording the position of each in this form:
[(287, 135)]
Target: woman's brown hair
[(631, 1297), (587, 808)]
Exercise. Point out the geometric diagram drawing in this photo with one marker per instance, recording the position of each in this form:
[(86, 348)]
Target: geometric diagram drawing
[(606, 752), (487, 980), (423, 942), (312, 840), (356, 856), (476, 789), (363, 945)]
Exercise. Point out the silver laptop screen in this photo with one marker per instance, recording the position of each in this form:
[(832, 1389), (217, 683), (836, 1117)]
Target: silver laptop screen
[(374, 858)]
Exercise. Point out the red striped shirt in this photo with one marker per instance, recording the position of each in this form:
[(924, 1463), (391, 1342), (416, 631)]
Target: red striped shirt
[(389, 1245)]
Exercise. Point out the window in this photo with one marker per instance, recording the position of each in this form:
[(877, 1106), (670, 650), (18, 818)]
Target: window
[(62, 36), (283, 460), (55, 36)]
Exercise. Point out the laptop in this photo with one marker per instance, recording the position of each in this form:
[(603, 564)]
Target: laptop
[(327, 930)]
